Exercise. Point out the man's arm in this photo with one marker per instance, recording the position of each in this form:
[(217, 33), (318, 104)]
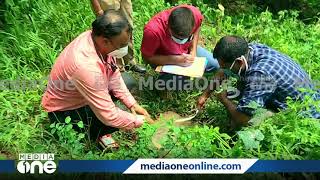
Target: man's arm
[(238, 118), (193, 48), (96, 7), (217, 81), (91, 83), (160, 60), (119, 89), (258, 89)]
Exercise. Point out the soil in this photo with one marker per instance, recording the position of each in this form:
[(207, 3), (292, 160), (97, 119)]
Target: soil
[(162, 131), (4, 155)]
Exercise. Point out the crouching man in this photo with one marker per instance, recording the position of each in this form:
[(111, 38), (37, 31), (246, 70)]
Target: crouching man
[(269, 78), (85, 77)]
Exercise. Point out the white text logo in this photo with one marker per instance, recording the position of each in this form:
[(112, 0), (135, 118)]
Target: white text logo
[(28, 163)]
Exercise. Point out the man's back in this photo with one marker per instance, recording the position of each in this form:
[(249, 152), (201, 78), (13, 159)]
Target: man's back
[(272, 77), (287, 74)]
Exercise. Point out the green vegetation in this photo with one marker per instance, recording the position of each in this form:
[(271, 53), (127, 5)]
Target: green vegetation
[(36, 31)]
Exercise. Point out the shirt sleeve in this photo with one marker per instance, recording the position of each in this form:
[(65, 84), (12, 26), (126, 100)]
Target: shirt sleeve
[(94, 88), (120, 90), (258, 89), (150, 43)]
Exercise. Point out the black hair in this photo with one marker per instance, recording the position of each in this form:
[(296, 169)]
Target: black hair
[(181, 21), (110, 24), (229, 48)]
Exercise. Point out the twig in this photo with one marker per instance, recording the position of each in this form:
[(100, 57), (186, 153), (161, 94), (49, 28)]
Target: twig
[(169, 150)]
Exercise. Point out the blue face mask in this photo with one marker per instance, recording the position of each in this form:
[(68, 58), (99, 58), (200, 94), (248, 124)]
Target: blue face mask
[(179, 41)]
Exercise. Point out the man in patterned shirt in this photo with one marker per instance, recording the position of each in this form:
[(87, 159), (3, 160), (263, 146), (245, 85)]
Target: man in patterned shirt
[(269, 78)]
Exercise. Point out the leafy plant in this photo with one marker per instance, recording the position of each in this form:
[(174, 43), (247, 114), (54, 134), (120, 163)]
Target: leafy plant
[(68, 138), (251, 138)]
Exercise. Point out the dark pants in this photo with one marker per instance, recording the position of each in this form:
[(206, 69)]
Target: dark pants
[(93, 126)]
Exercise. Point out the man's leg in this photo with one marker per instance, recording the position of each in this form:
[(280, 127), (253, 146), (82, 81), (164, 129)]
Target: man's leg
[(110, 4), (114, 5), (129, 80), (75, 115), (126, 9), (212, 63), (93, 126), (97, 128)]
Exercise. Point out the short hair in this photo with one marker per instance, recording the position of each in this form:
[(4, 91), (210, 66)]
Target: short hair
[(229, 48), (181, 21), (110, 24)]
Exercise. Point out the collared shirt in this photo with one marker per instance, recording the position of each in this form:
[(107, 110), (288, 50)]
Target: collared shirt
[(271, 78), (79, 78), (157, 38)]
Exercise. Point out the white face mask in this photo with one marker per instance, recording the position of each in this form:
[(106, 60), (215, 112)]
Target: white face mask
[(119, 53), (242, 58), (179, 41)]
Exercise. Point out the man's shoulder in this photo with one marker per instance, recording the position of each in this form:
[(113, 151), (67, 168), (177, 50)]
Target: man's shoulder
[(82, 42), (155, 26), (81, 51), (265, 66), (258, 46)]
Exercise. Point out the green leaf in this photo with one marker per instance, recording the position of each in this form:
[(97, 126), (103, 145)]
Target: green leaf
[(52, 125), (10, 2), (80, 124), (251, 138), (68, 120), (69, 127), (81, 136)]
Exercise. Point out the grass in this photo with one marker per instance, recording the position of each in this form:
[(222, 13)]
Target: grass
[(36, 31)]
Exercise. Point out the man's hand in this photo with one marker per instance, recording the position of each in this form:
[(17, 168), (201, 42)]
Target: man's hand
[(186, 60), (139, 121), (137, 109), (100, 12), (201, 101), (95, 4)]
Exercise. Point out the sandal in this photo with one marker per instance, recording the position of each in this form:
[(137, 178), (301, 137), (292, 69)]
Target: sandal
[(107, 142)]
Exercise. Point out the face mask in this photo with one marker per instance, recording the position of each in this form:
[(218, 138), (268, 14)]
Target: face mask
[(179, 41), (242, 58), (119, 53)]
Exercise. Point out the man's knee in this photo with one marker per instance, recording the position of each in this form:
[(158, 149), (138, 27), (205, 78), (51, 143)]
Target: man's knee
[(212, 63)]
